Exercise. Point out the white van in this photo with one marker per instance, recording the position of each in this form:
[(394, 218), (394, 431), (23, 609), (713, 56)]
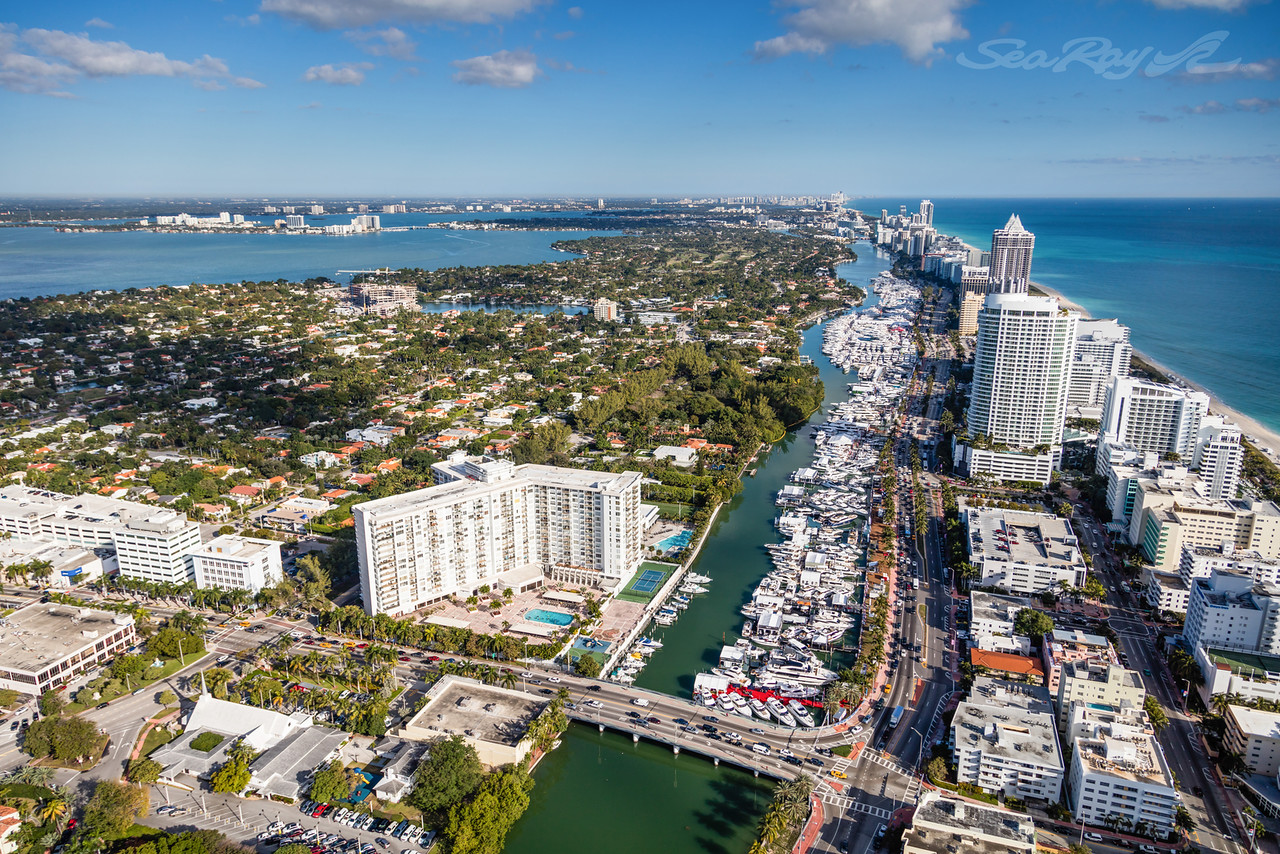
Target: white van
[(639, 701), (761, 747)]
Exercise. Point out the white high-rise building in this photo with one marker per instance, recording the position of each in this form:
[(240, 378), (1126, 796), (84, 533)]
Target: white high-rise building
[(1219, 456), (1022, 367), (503, 526), (605, 309), (1141, 417), (1005, 741), (926, 212), (295, 221), (1102, 353), (1231, 611), (1201, 561), (155, 549), (1151, 417), (237, 563), (150, 542), (1011, 249)]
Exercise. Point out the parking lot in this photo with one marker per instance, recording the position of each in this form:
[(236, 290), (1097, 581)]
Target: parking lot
[(254, 822)]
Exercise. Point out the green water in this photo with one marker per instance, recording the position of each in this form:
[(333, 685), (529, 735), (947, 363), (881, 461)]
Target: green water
[(601, 792)]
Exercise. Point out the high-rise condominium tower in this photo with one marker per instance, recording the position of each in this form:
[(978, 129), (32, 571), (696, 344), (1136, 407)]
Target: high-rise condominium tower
[(1011, 248)]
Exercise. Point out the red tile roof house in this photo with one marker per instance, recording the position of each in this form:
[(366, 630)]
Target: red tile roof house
[(244, 494)]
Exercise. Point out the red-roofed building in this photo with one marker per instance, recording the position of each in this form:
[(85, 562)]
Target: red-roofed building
[(1022, 667), (10, 823), (244, 494)]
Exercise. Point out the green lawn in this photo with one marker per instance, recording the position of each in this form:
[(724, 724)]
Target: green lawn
[(157, 737), (150, 677), (677, 511)]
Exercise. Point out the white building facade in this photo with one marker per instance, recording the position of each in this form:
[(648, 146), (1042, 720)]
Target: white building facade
[(237, 563), (1018, 401), (514, 528)]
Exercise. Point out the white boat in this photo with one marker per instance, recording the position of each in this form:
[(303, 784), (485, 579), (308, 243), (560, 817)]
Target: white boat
[(665, 619), (697, 579), (625, 678), (740, 705), (725, 703), (691, 588), (649, 643), (779, 711), (800, 712), (761, 711)]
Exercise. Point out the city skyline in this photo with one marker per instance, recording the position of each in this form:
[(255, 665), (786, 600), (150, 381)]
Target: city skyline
[(488, 98)]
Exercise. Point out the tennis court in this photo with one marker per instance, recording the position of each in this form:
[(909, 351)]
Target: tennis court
[(648, 581)]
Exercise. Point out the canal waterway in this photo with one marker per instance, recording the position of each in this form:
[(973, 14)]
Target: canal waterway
[(599, 791), (734, 555)]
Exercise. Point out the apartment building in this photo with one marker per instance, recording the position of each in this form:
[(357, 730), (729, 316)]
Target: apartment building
[(1201, 561), (237, 563), (1102, 353), (504, 526), (1064, 645), (1232, 611), (1123, 773), (1004, 740), (1255, 735), (150, 543), (991, 622), (1097, 682), (945, 824)]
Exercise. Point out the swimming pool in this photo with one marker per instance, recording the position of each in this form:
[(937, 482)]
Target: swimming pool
[(551, 618), (676, 541)]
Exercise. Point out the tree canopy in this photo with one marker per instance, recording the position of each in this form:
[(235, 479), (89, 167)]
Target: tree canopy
[(448, 776), (1032, 623)]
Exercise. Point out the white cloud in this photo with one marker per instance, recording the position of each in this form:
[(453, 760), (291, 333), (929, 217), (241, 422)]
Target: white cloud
[(1263, 69), (1219, 5), (346, 74), (1240, 105), (332, 14), (98, 22), (247, 83), (575, 12), (917, 27), (506, 69), (41, 61), (390, 42)]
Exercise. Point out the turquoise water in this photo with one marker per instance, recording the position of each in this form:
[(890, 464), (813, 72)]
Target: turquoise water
[(1196, 280), (676, 541), (551, 618)]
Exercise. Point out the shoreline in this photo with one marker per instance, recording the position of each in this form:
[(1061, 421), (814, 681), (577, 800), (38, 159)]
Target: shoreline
[(1264, 438)]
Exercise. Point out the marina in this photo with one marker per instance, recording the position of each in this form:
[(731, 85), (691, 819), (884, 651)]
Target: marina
[(796, 617)]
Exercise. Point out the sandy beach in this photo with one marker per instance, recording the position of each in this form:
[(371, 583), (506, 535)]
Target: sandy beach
[(1264, 438)]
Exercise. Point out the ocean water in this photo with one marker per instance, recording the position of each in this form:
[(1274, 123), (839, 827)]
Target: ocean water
[(1196, 280)]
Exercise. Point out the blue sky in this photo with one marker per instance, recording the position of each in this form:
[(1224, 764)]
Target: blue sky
[(606, 97)]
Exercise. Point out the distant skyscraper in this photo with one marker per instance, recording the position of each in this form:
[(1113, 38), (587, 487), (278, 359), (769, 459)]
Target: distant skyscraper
[(1021, 371), (1011, 248), (926, 212), (600, 204)]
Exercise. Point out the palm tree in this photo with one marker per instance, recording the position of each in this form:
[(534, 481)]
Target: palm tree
[(1183, 820), (1221, 701), (54, 809), (508, 679)]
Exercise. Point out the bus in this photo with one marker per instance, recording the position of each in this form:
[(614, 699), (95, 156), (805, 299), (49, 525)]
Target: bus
[(895, 717)]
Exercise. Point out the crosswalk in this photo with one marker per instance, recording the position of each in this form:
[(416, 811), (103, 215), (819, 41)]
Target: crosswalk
[(875, 812), (886, 762)]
